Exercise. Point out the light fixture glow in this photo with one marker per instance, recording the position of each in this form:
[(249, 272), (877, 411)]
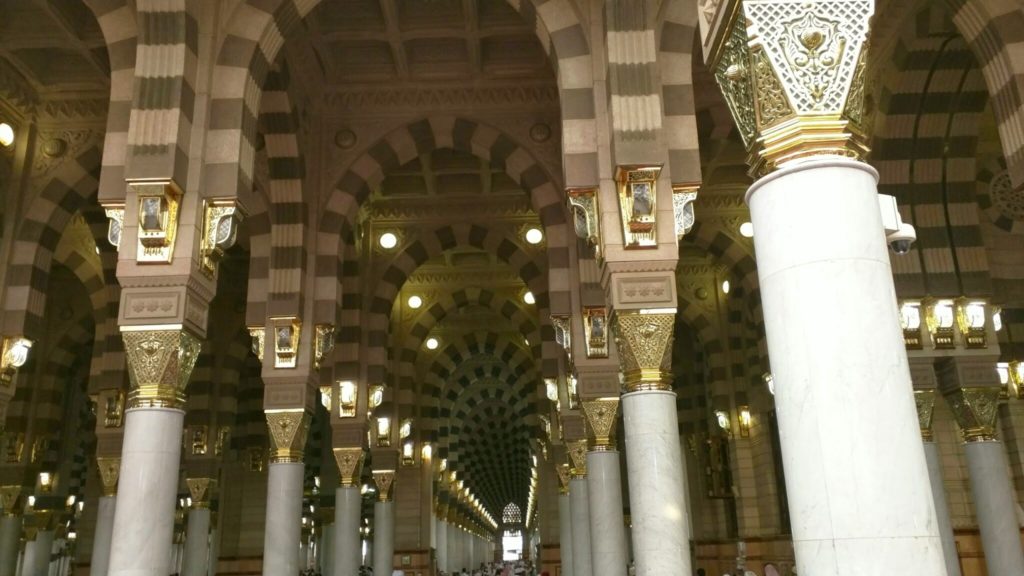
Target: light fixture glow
[(534, 236), (910, 316), (726, 286), (388, 240), (529, 298), (745, 421), (45, 481), (997, 319), (432, 343), (769, 381), (747, 230), (426, 452), (405, 430), (415, 302), (6, 134), (723, 420)]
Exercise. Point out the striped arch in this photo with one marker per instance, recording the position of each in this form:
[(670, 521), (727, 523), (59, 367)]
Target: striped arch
[(387, 285), (675, 56), (278, 254), (70, 189), (734, 253), (340, 215), (256, 31), (926, 138)]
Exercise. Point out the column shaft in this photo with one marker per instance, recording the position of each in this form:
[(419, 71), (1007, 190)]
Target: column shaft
[(10, 535), (934, 460), (284, 519), (327, 550), (100, 563), (995, 507), (607, 526), (442, 545), (147, 493), (565, 534), (383, 537), (37, 555), (581, 543), (661, 542), (856, 476), (197, 543), (453, 547), (347, 553)]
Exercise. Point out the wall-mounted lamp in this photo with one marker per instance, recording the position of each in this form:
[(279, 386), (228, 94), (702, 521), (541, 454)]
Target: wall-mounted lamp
[(46, 482), (287, 333), (14, 355), (427, 451), (910, 321), (383, 432), (158, 220), (348, 397), (970, 317), (408, 453), (323, 343), (939, 319), (723, 420), (1011, 376), (6, 134), (745, 420), (221, 220)]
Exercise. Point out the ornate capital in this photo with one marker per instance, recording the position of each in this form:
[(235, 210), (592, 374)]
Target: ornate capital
[(384, 480), (350, 463), (975, 410), (160, 362), (578, 456), (201, 490), (925, 400), (288, 431), (645, 349), (792, 72), (563, 478), (110, 472), (602, 417), (11, 499)]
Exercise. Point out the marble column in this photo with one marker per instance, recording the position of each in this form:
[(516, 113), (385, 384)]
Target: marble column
[(925, 400), (347, 553), (10, 546), (453, 544), (100, 563), (565, 530), (37, 554), (283, 533), (325, 561), (442, 545), (604, 488), (197, 543), (383, 537), (581, 543)]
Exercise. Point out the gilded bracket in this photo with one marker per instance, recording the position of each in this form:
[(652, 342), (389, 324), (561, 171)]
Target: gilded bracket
[(595, 330), (638, 194), (258, 335), (323, 343), (683, 197), (221, 219), (287, 334), (583, 205), (159, 203), (115, 213)]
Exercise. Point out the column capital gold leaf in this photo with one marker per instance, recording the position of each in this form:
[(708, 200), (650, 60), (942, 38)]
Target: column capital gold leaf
[(110, 471), (288, 432), (160, 363), (925, 401), (578, 455), (563, 478), (384, 479), (11, 499), (602, 417), (645, 349), (350, 463), (201, 490), (975, 410)]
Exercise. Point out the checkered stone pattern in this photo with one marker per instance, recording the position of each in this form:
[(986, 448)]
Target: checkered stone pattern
[(250, 423), (675, 61), (340, 216), (347, 339), (109, 365), (735, 252), (633, 94), (386, 286), (1002, 223), (924, 151), (690, 382)]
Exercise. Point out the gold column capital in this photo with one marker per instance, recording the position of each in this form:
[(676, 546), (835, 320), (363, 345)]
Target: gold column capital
[(578, 455), (792, 72), (925, 401), (384, 479), (645, 348), (350, 463), (201, 490), (563, 478), (288, 432), (975, 410), (110, 471), (602, 417), (160, 363), (11, 499)]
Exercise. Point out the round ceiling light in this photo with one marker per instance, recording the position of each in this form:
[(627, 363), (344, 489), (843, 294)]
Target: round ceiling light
[(6, 134), (415, 302), (534, 236), (432, 343), (528, 298), (747, 230), (388, 240), (725, 286)]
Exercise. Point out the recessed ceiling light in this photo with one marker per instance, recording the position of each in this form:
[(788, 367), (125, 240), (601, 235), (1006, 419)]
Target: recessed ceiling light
[(534, 236), (415, 302), (388, 240), (432, 343), (6, 134), (528, 298), (747, 230)]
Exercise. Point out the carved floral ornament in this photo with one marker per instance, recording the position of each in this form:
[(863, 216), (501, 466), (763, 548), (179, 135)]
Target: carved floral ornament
[(792, 72), (160, 363)]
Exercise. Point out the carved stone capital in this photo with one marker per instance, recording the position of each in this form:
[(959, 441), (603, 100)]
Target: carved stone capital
[(602, 417), (110, 471), (925, 400), (288, 432), (160, 362), (578, 456), (645, 349), (384, 479), (11, 499), (201, 490), (975, 410), (350, 463), (792, 72)]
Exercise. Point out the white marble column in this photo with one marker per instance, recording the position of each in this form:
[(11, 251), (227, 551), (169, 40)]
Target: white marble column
[(37, 555), (197, 543), (284, 518), (856, 476), (383, 537), (347, 543), (581, 543), (934, 461), (453, 548), (442, 545), (146, 493), (607, 527), (661, 543), (995, 507), (565, 534), (325, 560), (215, 549), (100, 562), (10, 535)]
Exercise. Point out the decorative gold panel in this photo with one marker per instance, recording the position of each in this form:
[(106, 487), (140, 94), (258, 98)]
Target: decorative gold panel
[(11, 499), (975, 410), (258, 335), (223, 440), (578, 455), (563, 331), (220, 230), (115, 213), (925, 401), (638, 194), (563, 478), (198, 441), (683, 197), (160, 362), (645, 349), (384, 480), (595, 330), (322, 345), (288, 431), (602, 417), (113, 411), (157, 220), (287, 334), (110, 471), (583, 206), (350, 463)]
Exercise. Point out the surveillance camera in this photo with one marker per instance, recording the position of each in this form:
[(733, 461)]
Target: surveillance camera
[(901, 240)]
